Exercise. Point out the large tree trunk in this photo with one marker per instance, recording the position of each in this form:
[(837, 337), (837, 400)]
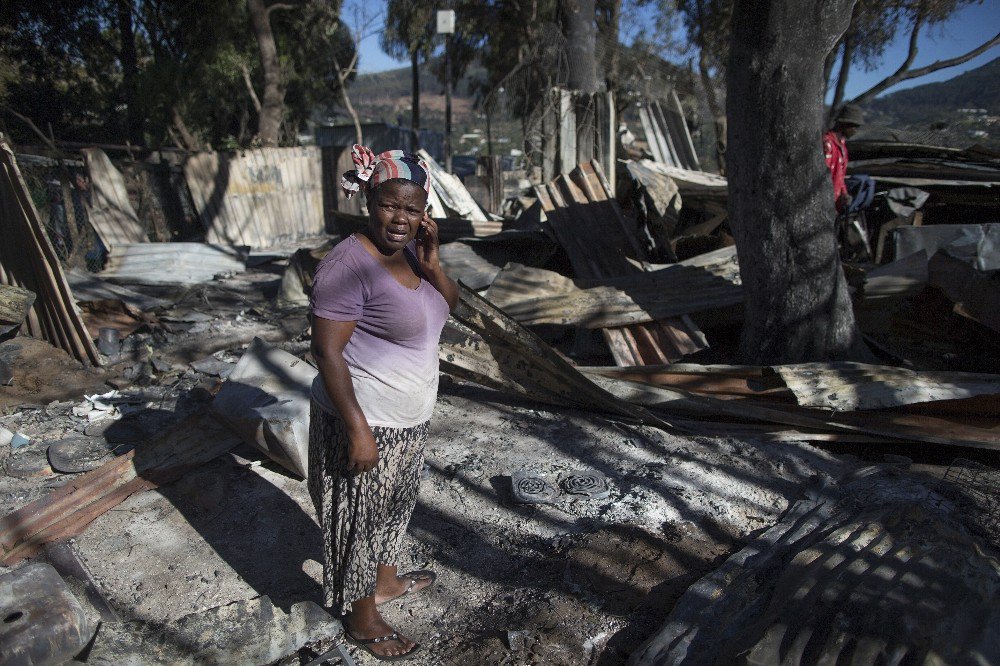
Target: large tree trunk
[(415, 102), (580, 28), (272, 104), (130, 72), (780, 194)]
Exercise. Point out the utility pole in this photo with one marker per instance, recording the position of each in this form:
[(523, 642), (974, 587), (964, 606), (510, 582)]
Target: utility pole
[(446, 27)]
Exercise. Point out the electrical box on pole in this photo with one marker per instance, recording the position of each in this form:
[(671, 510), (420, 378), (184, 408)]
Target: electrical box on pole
[(446, 22)]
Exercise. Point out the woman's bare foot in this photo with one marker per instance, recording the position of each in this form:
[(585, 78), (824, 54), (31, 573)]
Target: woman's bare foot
[(364, 624), (390, 585)]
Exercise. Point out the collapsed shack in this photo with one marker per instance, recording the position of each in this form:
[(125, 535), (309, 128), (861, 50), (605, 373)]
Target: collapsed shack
[(598, 469)]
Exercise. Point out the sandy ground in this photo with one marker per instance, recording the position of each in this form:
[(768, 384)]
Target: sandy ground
[(576, 582)]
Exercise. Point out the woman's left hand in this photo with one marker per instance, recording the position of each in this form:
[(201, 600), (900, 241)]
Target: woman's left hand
[(428, 243)]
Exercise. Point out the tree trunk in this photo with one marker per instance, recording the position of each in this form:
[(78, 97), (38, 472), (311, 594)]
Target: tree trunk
[(415, 102), (351, 111), (580, 28), (780, 194), (187, 139), (130, 72), (608, 28), (272, 104)]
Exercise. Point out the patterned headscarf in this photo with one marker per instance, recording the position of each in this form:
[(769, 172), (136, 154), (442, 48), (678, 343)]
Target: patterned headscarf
[(371, 169)]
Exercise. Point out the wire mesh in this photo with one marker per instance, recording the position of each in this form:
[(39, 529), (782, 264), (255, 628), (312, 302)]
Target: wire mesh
[(975, 489), (60, 197)]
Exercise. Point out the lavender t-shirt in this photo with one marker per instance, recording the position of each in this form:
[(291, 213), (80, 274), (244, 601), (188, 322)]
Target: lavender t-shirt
[(393, 353)]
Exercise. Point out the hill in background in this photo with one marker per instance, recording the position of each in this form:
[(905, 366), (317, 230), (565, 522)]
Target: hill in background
[(386, 97), (959, 112)]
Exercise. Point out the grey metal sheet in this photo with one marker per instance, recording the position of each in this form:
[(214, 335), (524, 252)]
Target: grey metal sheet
[(89, 287), (172, 263), (857, 386), (976, 244)]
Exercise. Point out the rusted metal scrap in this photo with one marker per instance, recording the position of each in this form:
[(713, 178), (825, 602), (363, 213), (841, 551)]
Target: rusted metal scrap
[(68, 510), (601, 243)]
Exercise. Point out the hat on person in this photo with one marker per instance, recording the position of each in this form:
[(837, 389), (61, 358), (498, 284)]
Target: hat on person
[(851, 114)]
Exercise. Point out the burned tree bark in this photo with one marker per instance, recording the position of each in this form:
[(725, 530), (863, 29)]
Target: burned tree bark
[(780, 194), (272, 109)]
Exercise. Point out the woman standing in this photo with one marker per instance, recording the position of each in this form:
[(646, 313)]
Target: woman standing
[(379, 302)]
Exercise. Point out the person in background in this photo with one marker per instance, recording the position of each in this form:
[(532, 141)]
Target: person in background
[(380, 300), (845, 126)]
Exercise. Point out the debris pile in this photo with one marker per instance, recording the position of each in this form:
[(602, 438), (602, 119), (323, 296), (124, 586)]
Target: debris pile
[(162, 404)]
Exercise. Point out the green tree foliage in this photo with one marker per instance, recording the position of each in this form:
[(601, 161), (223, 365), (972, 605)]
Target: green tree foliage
[(64, 64), (409, 28)]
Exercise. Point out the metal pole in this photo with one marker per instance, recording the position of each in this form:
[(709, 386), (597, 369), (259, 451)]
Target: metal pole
[(447, 104)]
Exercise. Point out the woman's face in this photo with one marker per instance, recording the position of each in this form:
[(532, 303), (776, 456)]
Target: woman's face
[(394, 214)]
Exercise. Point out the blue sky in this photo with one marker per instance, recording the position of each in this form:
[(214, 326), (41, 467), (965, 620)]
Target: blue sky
[(966, 29)]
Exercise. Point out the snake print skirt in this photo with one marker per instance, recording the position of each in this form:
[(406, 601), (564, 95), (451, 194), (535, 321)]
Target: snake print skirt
[(363, 516)]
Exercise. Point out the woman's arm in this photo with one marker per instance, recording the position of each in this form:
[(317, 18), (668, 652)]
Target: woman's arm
[(429, 260), (328, 341)]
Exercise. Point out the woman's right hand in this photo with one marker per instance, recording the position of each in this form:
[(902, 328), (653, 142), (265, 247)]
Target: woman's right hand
[(362, 453)]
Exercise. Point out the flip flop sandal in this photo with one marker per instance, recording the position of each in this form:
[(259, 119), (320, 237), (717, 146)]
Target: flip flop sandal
[(415, 577), (366, 643)]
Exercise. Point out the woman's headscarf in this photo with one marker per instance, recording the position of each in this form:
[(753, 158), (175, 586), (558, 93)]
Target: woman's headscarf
[(371, 169)]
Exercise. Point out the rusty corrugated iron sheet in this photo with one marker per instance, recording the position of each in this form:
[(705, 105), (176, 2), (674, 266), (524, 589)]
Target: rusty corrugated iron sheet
[(602, 243), (69, 509)]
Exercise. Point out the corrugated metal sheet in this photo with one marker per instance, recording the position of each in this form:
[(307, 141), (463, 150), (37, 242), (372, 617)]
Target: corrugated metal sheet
[(601, 243), (28, 260), (536, 296), (464, 265), (689, 181), (667, 134), (258, 198), (456, 200), (111, 213), (172, 263), (855, 386), (976, 244), (89, 287), (475, 262)]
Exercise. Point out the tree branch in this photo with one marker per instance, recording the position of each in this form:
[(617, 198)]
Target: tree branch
[(277, 5), (250, 89), (33, 127), (845, 70), (904, 73)]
